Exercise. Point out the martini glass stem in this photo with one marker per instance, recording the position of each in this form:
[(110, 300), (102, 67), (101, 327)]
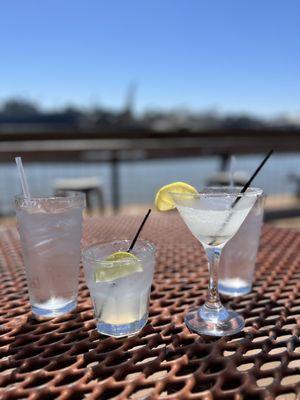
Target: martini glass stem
[(213, 254), (213, 318)]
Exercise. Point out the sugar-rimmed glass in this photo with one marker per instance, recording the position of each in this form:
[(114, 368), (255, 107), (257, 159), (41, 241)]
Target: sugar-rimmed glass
[(213, 216)]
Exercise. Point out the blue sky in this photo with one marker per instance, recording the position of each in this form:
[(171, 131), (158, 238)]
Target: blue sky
[(228, 55)]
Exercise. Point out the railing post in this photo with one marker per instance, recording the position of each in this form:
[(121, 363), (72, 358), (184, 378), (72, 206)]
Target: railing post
[(224, 162), (115, 181)]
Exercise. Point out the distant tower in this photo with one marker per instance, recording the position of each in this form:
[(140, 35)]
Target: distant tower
[(130, 100)]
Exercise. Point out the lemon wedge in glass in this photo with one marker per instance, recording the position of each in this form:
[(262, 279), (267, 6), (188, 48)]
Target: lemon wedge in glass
[(163, 200), (118, 265)]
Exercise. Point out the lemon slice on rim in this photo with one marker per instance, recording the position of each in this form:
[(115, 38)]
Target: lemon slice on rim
[(163, 199), (119, 270)]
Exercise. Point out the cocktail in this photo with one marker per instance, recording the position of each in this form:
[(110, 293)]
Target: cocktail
[(120, 283), (213, 216), (50, 230)]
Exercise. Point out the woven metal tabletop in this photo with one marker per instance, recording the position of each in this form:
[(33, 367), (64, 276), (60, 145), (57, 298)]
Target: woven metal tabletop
[(65, 358)]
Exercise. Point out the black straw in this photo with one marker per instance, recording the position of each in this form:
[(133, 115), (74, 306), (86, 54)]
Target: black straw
[(247, 184), (139, 230)]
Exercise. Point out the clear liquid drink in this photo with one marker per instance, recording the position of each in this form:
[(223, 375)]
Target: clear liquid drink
[(214, 226), (50, 231), (214, 215), (238, 259), (121, 294)]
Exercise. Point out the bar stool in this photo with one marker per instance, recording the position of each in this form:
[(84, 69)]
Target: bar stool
[(91, 186), (223, 178)]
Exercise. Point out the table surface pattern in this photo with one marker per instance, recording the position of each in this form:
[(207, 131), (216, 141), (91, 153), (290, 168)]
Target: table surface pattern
[(65, 358)]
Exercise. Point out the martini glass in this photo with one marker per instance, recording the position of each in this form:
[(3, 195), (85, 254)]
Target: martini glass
[(214, 216)]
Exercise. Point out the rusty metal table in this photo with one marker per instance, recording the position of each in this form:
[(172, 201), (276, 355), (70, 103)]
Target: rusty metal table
[(65, 358)]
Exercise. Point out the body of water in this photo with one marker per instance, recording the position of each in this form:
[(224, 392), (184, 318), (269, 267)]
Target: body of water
[(140, 180)]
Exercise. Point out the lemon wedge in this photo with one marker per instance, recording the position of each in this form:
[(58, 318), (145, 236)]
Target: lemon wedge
[(119, 270), (163, 199)]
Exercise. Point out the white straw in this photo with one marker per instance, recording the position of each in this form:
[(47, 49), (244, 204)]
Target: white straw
[(23, 180)]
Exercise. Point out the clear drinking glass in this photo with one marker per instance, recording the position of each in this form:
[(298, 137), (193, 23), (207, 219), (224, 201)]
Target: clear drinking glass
[(121, 297), (214, 216), (237, 263), (50, 231)]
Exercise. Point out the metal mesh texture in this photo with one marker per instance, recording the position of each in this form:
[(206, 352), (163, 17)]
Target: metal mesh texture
[(65, 358)]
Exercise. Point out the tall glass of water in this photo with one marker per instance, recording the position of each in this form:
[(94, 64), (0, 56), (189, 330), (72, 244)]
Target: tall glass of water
[(237, 264), (50, 231)]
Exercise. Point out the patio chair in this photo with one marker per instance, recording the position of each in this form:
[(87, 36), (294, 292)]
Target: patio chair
[(91, 186)]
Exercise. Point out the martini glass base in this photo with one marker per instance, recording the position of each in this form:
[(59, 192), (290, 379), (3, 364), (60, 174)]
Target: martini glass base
[(216, 325)]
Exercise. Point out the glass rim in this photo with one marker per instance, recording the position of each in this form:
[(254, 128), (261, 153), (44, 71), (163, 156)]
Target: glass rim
[(205, 192), (106, 264), (72, 194), (71, 201)]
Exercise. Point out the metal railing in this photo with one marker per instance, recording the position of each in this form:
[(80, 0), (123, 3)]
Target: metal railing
[(140, 145)]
